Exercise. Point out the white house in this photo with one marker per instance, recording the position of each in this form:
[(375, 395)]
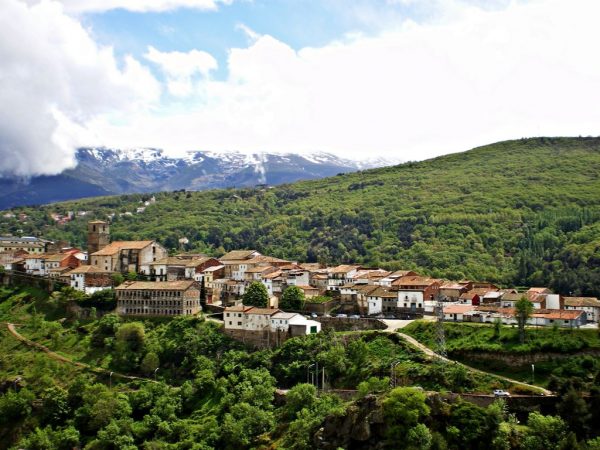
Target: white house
[(234, 317), (301, 326), (280, 321), (258, 319), (90, 279), (590, 305)]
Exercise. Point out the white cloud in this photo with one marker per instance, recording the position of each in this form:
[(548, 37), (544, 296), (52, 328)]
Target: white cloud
[(421, 90), (87, 6), (181, 68), (54, 79)]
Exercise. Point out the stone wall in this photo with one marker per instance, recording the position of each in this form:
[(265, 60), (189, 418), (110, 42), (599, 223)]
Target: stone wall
[(517, 360)]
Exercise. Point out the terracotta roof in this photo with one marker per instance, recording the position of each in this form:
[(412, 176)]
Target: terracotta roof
[(468, 295), (383, 293), (457, 309), (510, 297), (582, 301), (264, 311), (260, 269), (98, 221), (266, 259), (272, 275), (451, 285), (305, 288), (291, 267), (311, 266), (237, 308), (213, 268), (237, 255), (88, 269), (156, 285), (481, 291), (344, 268), (56, 257), (414, 281), (181, 261), (401, 273), (115, 247), (557, 314)]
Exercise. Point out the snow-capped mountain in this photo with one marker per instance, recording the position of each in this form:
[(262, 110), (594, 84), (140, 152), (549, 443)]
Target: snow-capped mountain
[(105, 171)]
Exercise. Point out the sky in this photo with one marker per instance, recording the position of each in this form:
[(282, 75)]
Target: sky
[(397, 79)]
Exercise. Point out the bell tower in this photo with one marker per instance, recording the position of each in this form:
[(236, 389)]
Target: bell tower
[(98, 236)]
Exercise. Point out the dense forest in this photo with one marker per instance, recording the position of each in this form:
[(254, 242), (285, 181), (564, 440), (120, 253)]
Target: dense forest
[(520, 213), (198, 389)]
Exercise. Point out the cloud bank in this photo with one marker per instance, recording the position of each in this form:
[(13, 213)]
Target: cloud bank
[(470, 77), (467, 78), (87, 6), (53, 79)]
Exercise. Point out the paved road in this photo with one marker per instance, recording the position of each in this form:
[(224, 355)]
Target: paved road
[(98, 370)]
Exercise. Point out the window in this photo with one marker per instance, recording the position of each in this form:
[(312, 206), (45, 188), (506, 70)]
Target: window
[(240, 324), (230, 322)]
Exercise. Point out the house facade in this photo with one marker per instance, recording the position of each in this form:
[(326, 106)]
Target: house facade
[(160, 298)]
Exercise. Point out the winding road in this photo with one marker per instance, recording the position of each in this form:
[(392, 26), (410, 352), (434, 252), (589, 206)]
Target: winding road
[(429, 352), (97, 370)]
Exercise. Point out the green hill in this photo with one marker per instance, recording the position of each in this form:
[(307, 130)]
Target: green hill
[(523, 212)]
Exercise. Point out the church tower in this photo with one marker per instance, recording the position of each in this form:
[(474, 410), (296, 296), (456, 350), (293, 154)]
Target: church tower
[(98, 236)]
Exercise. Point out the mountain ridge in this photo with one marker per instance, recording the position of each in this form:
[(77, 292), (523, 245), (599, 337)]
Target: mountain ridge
[(518, 213), (105, 171)]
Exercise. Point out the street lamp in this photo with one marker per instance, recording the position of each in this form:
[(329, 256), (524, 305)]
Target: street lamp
[(532, 373), (307, 372), (393, 373), (110, 380), (155, 370)]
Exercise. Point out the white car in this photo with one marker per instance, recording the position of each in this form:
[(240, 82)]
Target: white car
[(501, 393)]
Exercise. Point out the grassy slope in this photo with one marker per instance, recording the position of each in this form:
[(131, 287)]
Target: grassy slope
[(465, 341), (501, 212)]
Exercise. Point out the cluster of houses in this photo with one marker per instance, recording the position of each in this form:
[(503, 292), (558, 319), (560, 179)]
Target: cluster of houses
[(174, 285)]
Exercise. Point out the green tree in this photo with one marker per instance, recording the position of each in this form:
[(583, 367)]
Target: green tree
[(150, 363), (131, 276), (524, 308), (131, 336), (292, 299), (256, 295), (403, 409), (117, 279), (574, 411), (544, 432), (419, 437)]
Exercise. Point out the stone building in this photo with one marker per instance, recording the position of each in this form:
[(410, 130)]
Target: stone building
[(98, 236), (128, 256), (162, 298)]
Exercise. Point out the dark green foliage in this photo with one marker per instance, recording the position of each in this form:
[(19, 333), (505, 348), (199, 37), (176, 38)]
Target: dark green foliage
[(292, 299), (256, 294)]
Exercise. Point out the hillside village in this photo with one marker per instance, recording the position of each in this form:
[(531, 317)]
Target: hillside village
[(150, 282)]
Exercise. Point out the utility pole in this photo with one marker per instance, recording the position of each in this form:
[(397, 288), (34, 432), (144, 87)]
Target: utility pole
[(440, 335)]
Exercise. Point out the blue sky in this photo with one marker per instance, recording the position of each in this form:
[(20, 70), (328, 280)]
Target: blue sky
[(397, 79)]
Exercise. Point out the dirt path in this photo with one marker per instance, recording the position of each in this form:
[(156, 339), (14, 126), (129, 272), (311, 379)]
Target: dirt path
[(97, 370), (433, 354)]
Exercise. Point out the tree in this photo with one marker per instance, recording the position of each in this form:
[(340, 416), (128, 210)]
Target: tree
[(574, 411), (131, 276), (150, 363), (131, 336), (256, 295), (524, 309), (403, 409), (292, 299), (117, 279), (544, 432)]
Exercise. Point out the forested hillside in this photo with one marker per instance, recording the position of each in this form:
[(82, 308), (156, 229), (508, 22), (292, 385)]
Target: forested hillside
[(523, 212)]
